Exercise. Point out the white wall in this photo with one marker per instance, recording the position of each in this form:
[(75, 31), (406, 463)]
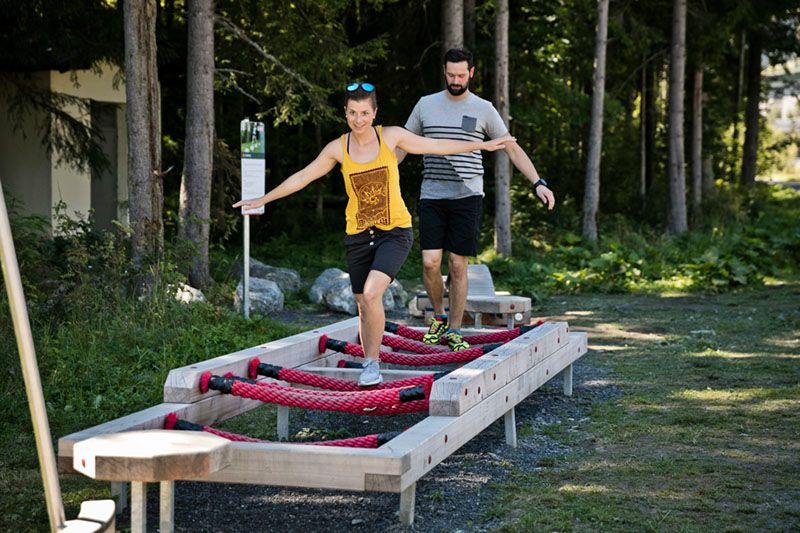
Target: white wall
[(35, 177), (24, 163)]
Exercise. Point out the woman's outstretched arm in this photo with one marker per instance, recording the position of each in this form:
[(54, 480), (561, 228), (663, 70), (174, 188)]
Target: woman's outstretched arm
[(325, 161), (401, 138)]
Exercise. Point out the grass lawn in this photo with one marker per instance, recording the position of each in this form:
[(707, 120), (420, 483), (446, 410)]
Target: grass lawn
[(706, 436)]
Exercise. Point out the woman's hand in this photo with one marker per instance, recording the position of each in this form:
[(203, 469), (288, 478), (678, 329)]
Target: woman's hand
[(498, 144), (249, 205)]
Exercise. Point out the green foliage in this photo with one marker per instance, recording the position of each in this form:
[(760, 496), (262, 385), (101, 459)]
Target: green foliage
[(750, 239)]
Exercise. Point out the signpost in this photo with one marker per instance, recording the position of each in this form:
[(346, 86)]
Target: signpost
[(253, 147)]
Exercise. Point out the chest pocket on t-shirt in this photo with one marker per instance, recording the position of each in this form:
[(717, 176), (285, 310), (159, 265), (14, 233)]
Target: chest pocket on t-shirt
[(468, 123)]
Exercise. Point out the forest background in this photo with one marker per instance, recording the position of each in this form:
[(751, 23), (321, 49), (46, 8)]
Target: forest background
[(286, 63)]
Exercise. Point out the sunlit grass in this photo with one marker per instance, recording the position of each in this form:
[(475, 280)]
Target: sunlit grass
[(705, 436)]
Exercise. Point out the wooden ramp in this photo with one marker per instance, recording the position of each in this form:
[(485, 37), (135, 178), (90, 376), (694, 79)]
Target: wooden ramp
[(462, 404)]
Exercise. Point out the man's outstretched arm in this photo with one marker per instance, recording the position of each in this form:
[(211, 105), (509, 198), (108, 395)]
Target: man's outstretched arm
[(524, 164)]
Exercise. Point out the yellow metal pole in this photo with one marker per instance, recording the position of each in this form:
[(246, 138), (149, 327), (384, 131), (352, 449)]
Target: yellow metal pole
[(30, 371)]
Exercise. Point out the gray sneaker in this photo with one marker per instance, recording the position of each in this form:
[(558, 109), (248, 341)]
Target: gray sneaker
[(371, 375)]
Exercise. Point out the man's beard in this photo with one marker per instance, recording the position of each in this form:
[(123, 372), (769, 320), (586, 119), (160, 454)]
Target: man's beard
[(458, 92)]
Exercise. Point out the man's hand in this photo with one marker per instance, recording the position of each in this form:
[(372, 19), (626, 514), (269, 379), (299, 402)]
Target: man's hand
[(546, 196)]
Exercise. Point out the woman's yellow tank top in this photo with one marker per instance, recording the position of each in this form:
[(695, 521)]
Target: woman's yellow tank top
[(373, 191)]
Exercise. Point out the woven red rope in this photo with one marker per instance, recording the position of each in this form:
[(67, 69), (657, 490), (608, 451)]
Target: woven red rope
[(370, 402), (409, 360), (300, 377), (409, 345), (496, 336), (367, 441)]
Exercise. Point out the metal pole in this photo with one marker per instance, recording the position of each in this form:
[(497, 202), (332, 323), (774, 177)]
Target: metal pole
[(246, 278), (30, 371)]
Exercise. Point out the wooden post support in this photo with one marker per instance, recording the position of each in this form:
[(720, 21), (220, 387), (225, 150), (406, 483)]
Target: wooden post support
[(167, 507), (138, 507), (149, 456), (510, 422), (567, 375), (407, 502), (119, 489), (283, 422)]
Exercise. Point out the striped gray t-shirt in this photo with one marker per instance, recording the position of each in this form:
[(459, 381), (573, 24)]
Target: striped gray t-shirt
[(469, 119)]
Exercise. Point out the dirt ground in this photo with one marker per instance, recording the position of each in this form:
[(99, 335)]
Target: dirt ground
[(457, 495)]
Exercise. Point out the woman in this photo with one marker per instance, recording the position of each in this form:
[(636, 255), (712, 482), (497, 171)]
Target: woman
[(378, 228)]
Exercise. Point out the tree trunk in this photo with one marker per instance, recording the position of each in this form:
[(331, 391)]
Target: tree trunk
[(677, 178), (320, 203), (195, 196), (643, 140), (739, 89), (749, 157), (502, 171), (697, 141), (651, 118), (469, 25), (143, 112), (452, 24), (708, 174), (591, 196)]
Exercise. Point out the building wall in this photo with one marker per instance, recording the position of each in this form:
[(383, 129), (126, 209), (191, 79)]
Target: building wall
[(24, 162), (35, 177), (72, 186)]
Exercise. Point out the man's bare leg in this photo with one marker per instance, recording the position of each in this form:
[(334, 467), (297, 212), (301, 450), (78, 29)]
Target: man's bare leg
[(432, 279), (459, 285)]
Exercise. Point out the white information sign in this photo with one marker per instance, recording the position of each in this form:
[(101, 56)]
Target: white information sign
[(253, 144)]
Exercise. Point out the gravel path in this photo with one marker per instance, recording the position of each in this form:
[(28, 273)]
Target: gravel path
[(454, 496)]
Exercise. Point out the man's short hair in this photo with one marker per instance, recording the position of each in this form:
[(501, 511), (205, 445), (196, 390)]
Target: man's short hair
[(457, 55)]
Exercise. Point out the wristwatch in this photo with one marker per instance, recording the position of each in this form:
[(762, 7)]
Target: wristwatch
[(540, 181)]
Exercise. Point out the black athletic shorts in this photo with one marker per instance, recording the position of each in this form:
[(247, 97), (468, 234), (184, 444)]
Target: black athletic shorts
[(375, 249), (452, 225)]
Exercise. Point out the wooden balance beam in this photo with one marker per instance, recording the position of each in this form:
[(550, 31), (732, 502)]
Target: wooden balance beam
[(461, 406)]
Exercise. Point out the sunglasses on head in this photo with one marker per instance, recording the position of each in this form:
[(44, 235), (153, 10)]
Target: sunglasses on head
[(366, 87)]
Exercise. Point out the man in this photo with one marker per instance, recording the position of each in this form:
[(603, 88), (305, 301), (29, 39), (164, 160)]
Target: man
[(452, 189)]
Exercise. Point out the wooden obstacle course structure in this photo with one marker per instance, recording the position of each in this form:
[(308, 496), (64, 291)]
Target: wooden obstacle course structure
[(462, 404)]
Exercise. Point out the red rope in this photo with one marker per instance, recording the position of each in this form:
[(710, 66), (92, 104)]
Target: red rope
[(310, 379), (400, 343), (409, 360), (367, 441), (371, 402), (496, 336)]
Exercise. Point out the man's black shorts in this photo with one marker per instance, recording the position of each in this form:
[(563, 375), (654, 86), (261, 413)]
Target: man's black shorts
[(452, 225), (375, 249)]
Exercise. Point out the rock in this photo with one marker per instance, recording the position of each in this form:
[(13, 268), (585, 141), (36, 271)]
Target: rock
[(317, 291), (395, 296), (332, 288), (265, 296), (187, 294), (288, 280), (339, 296)]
